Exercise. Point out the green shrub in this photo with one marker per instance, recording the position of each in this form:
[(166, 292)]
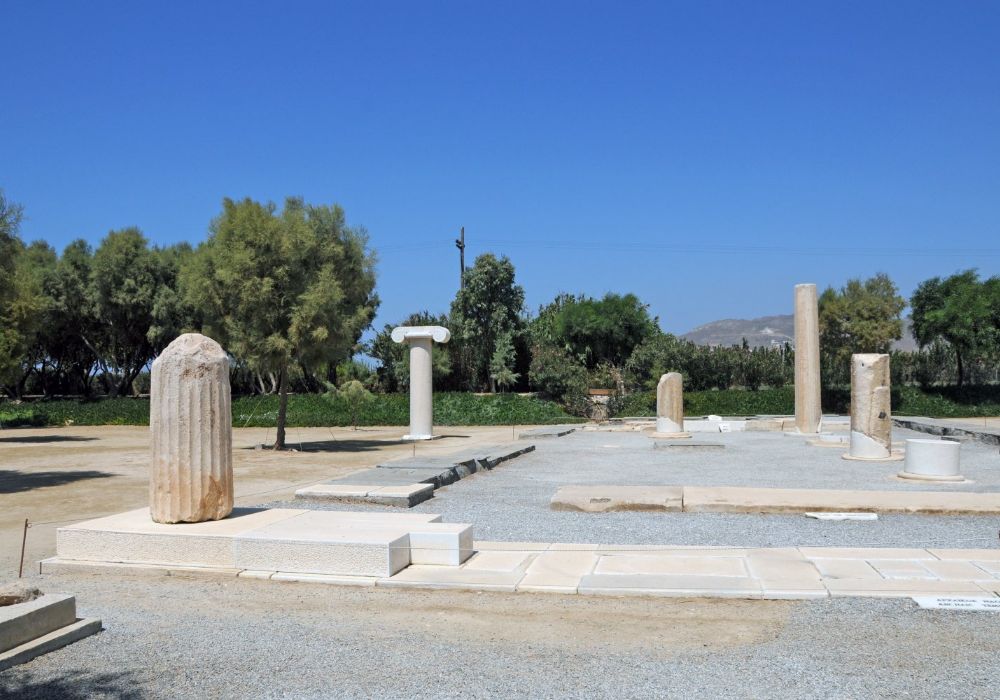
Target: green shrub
[(304, 410)]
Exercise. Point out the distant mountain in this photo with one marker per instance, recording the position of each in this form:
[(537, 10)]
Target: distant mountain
[(766, 331)]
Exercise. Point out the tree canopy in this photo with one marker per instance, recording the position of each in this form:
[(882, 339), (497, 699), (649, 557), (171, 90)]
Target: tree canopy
[(595, 331), (285, 288), (961, 310), (862, 316), (485, 315)]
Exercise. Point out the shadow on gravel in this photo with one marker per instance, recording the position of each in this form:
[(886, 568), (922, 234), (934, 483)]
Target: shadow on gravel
[(74, 685), (44, 439), (13, 481), (337, 445)]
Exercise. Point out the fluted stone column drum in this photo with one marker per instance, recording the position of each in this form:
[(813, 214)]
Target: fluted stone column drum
[(190, 421), (808, 413)]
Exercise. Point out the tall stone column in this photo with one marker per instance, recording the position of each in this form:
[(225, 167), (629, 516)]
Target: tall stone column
[(871, 412), (670, 406), (190, 420), (420, 339), (808, 414)]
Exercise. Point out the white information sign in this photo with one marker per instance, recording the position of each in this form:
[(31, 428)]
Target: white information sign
[(933, 602)]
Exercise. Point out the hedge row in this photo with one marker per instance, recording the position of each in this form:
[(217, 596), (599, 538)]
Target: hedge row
[(304, 410), (943, 402)]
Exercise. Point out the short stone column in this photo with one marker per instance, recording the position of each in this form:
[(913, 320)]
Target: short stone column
[(670, 406), (190, 420), (808, 413), (420, 339), (871, 412)]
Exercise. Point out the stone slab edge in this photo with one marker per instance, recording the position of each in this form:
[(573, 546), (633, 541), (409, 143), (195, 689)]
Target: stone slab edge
[(50, 642), (932, 427)]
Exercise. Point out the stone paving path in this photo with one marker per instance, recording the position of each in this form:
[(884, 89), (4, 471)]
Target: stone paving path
[(777, 573)]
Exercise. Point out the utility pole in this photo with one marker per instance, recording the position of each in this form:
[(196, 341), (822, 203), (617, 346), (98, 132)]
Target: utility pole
[(460, 244)]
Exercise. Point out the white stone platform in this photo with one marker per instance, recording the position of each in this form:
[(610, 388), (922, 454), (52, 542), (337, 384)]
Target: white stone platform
[(280, 539)]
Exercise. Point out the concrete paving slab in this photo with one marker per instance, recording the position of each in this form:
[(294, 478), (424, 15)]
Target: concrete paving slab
[(558, 570), (420, 576), (671, 585), (508, 561), (654, 563), (23, 622)]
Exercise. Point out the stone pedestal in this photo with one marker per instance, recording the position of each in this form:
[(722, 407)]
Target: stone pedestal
[(420, 339), (808, 413), (932, 460), (190, 419), (670, 407), (871, 413)]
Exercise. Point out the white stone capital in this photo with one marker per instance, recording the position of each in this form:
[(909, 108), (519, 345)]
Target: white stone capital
[(406, 334)]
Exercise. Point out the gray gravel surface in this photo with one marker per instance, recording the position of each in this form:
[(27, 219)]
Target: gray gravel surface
[(195, 638), (511, 502)]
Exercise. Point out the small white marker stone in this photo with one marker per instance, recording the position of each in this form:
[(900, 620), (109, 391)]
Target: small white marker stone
[(929, 602), (844, 516)]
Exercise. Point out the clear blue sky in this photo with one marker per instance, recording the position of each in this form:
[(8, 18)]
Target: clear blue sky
[(705, 155)]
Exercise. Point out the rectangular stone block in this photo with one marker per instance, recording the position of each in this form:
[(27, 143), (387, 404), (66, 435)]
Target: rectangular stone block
[(133, 537), (443, 544), (358, 552), (24, 622), (558, 571)]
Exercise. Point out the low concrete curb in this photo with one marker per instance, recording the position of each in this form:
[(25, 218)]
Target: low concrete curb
[(740, 499), (937, 427), (39, 626), (552, 431)]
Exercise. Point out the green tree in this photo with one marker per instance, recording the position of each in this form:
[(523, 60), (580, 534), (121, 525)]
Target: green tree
[(282, 289), (486, 311), (34, 269), (960, 310), (12, 342), (595, 331), (125, 280), (71, 321), (502, 372), (863, 316), (354, 394)]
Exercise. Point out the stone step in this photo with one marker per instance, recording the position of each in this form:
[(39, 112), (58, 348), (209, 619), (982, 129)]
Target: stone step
[(24, 622), (291, 540), (548, 431)]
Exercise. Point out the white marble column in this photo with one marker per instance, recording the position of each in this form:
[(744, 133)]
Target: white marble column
[(871, 412), (808, 414), (420, 339), (190, 422)]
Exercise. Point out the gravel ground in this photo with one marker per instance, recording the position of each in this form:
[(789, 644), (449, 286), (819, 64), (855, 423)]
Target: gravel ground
[(512, 501), (191, 638)]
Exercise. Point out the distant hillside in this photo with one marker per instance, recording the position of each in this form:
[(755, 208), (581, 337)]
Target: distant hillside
[(766, 331)]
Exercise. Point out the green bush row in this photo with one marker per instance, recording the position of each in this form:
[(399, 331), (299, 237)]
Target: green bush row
[(943, 402), (304, 410)]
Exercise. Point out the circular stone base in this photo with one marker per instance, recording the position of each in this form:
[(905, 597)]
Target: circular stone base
[(925, 477), (894, 457), (670, 436)]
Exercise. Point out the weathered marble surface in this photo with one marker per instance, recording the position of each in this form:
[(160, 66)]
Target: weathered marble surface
[(871, 412), (191, 424)]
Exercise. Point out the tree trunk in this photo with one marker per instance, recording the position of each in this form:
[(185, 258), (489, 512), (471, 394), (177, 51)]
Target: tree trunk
[(279, 441), (961, 369)]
